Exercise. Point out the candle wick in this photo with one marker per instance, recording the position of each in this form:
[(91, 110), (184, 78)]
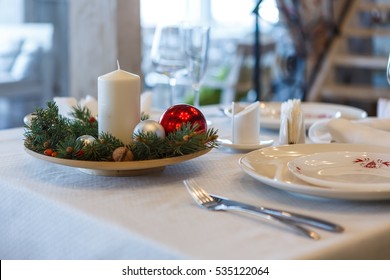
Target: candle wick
[(117, 62)]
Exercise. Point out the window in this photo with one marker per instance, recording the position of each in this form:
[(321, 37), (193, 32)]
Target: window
[(232, 23)]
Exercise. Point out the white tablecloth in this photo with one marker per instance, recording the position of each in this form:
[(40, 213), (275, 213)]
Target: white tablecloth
[(50, 211)]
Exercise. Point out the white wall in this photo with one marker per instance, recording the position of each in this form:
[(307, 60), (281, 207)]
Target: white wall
[(11, 11), (129, 35), (92, 44), (101, 32)]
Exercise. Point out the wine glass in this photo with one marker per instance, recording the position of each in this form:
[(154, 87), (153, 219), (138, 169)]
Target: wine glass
[(196, 44), (388, 70), (167, 53)]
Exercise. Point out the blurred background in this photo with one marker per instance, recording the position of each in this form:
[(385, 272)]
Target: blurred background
[(314, 50)]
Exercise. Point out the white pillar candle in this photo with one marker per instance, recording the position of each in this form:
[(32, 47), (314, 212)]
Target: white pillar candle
[(119, 104)]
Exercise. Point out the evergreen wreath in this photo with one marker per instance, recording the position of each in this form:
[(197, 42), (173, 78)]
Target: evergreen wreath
[(54, 135)]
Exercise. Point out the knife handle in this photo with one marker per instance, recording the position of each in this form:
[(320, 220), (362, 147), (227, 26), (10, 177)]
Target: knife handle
[(286, 215)]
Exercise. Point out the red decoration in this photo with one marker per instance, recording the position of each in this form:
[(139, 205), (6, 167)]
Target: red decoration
[(372, 163), (176, 115), (48, 152)]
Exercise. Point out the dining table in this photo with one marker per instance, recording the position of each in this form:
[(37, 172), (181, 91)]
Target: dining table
[(53, 211)]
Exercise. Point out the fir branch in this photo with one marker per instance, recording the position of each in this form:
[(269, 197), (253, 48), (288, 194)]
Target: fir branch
[(148, 146), (46, 129), (109, 143), (84, 123), (187, 140), (144, 116), (94, 151), (68, 148), (82, 113)]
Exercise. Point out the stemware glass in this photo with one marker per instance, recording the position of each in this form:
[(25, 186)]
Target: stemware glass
[(167, 53), (388, 70), (196, 44)]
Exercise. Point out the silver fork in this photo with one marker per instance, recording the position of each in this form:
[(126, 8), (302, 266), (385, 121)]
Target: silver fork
[(203, 199)]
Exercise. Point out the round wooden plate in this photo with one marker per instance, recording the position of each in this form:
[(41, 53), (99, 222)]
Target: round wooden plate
[(124, 168)]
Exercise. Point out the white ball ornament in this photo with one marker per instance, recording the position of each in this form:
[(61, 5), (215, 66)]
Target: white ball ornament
[(150, 126)]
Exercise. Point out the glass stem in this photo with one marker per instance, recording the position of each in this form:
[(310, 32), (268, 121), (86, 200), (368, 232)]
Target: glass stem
[(388, 70), (172, 85), (196, 89)]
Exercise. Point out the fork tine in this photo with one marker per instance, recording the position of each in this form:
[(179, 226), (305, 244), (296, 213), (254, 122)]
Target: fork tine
[(201, 193), (191, 191), (198, 193)]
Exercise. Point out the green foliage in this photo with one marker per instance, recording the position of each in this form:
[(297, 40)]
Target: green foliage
[(208, 95), (187, 140), (148, 146), (46, 129), (49, 130)]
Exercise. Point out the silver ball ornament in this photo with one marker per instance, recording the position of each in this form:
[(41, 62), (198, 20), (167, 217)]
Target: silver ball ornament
[(28, 119), (86, 139), (150, 126)]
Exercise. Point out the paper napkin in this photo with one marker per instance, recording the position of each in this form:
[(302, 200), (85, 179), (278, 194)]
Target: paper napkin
[(91, 103), (383, 108), (292, 125), (66, 104), (319, 131), (345, 131), (246, 123), (379, 123), (146, 102)]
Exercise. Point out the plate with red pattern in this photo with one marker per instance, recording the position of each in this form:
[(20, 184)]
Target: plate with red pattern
[(355, 170)]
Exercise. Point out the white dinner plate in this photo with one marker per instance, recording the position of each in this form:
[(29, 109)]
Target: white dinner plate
[(313, 111), (264, 142), (355, 170), (269, 166)]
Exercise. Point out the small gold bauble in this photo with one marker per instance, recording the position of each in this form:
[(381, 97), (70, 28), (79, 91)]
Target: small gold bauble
[(122, 154)]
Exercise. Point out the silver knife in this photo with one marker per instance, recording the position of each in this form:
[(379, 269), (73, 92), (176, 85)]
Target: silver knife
[(295, 217)]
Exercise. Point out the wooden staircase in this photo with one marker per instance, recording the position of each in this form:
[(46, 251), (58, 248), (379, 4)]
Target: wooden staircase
[(354, 70)]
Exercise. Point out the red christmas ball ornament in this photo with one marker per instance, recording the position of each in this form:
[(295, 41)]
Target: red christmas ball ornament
[(173, 118)]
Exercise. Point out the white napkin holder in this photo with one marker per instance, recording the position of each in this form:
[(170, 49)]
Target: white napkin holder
[(292, 123)]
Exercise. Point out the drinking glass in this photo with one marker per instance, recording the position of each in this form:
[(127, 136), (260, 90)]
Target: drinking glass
[(167, 53), (196, 44)]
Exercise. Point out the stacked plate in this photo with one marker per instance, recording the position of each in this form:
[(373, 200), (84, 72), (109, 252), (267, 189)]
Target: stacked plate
[(345, 171)]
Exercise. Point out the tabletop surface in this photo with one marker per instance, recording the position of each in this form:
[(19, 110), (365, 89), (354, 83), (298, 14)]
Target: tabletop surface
[(50, 211)]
